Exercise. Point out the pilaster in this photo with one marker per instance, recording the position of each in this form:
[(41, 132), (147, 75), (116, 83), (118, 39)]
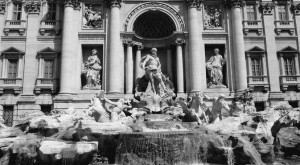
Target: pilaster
[(31, 64), (270, 43), (78, 56)]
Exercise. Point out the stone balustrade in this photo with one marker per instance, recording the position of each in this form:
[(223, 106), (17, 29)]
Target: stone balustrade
[(289, 80), (15, 25), (284, 25), (14, 84), (50, 25), (255, 25)]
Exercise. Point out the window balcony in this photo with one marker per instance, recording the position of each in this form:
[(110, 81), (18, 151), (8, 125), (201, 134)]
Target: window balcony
[(284, 25), (14, 84), (15, 25), (292, 80), (255, 25), (50, 25), (46, 84), (258, 81)]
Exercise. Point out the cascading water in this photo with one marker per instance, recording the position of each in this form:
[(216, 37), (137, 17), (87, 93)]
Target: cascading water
[(186, 147)]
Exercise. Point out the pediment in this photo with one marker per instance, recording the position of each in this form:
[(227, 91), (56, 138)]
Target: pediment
[(12, 50), (47, 51), (288, 49), (256, 49)]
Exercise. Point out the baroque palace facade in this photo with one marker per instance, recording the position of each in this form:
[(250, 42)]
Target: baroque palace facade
[(45, 45)]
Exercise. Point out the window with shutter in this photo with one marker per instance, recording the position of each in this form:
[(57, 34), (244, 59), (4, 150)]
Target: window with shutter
[(289, 66), (282, 12), (250, 12), (12, 68), (51, 11), (48, 70), (8, 112), (17, 10)]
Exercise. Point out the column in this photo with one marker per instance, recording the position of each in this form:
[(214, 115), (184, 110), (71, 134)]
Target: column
[(282, 65), (238, 45), (138, 70), (67, 57), (114, 81), (129, 68), (30, 61), (196, 47), (179, 66), (169, 62), (249, 65), (270, 43)]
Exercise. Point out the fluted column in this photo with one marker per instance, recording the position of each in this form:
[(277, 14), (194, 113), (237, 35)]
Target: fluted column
[(179, 66), (129, 69), (196, 47), (238, 45), (67, 57), (114, 81), (138, 70)]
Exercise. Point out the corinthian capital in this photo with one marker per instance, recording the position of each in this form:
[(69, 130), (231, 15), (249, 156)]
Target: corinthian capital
[(74, 3), (266, 8), (113, 3), (2, 7), (235, 3), (295, 8), (33, 6), (194, 3)]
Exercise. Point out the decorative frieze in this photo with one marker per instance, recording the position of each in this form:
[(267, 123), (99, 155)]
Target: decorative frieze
[(266, 8), (2, 7), (235, 3), (74, 3), (92, 16), (33, 6), (113, 3), (212, 17), (194, 3), (296, 8)]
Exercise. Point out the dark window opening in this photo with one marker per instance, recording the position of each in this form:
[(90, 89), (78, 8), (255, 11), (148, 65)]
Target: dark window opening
[(8, 115), (260, 106), (12, 68), (250, 12), (17, 10), (294, 104), (51, 11), (46, 109)]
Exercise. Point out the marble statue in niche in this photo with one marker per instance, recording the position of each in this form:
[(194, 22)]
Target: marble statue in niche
[(92, 17), (92, 68), (212, 17), (214, 67)]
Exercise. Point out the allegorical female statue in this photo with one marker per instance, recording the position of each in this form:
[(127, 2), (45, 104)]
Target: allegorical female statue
[(214, 66), (92, 68)]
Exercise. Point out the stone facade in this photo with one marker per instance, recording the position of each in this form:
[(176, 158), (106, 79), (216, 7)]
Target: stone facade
[(45, 43)]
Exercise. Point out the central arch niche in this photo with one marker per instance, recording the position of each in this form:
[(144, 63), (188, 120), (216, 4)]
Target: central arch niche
[(154, 24)]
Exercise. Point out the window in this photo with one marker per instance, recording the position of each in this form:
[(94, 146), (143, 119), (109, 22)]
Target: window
[(256, 64), (8, 113), (250, 9), (282, 12), (12, 68), (17, 10), (48, 69), (51, 11), (289, 66)]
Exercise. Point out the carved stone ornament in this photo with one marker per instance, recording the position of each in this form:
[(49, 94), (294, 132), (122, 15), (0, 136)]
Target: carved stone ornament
[(296, 8), (2, 7), (267, 8), (74, 3), (113, 3), (194, 3), (212, 17), (33, 6), (92, 16), (235, 3)]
